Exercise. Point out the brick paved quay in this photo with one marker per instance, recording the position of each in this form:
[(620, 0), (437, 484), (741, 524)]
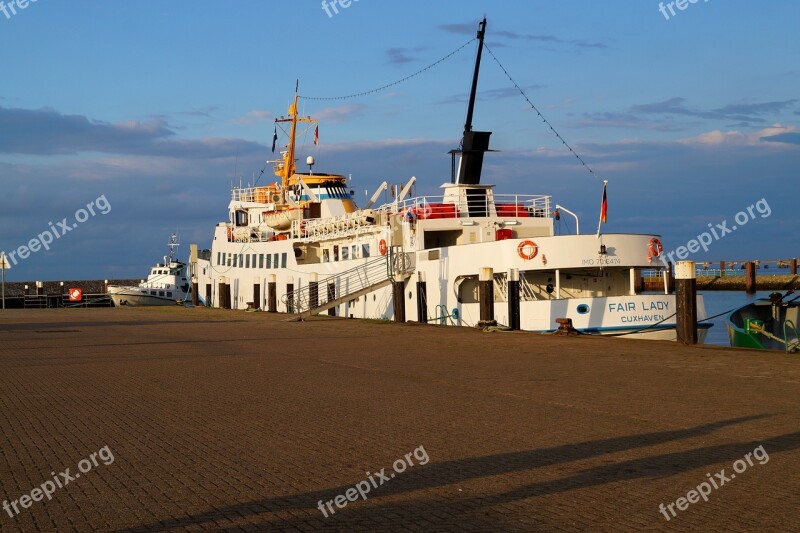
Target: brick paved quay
[(222, 420)]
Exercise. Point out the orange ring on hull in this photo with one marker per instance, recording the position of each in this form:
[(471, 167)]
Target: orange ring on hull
[(382, 247), (527, 250), (654, 247)]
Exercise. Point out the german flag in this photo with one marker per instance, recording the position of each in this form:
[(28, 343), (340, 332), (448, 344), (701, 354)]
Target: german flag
[(604, 206)]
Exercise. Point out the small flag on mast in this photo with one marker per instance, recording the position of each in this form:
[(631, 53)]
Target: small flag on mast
[(274, 138), (604, 205), (316, 135)]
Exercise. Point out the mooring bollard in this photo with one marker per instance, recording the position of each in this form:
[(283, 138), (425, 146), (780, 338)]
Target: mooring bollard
[(272, 299), (398, 289), (750, 277), (513, 298), (686, 300), (486, 297), (422, 299), (313, 291)]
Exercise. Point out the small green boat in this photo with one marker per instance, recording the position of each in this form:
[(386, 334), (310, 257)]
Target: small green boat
[(766, 324)]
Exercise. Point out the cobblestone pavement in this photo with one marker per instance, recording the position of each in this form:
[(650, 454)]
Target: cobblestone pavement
[(222, 420)]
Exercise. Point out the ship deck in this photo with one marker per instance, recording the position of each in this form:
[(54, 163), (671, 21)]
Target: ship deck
[(232, 420)]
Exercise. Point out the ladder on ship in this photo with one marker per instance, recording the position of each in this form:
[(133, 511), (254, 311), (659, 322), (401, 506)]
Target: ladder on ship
[(351, 284)]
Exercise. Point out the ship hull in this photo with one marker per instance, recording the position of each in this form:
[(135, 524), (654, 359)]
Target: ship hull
[(131, 297)]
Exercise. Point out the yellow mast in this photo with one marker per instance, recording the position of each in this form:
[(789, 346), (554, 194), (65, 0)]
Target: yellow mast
[(288, 169)]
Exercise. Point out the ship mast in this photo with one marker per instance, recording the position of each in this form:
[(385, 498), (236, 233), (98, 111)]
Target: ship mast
[(474, 90), (289, 167), (474, 143)]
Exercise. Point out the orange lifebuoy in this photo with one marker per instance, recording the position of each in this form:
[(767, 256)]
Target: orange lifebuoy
[(527, 250), (654, 247), (382, 247)]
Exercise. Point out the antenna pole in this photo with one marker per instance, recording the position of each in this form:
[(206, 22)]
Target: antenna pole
[(471, 107)]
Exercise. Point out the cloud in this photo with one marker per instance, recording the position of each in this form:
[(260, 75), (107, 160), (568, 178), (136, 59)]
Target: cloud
[(398, 56), (47, 132), (787, 138), (776, 133), (337, 115), (471, 29), (747, 112), (490, 94), (252, 117)]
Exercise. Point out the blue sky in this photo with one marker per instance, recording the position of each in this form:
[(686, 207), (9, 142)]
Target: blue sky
[(160, 106)]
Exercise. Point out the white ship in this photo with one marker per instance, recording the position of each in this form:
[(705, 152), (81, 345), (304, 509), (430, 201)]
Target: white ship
[(302, 245), (167, 284)]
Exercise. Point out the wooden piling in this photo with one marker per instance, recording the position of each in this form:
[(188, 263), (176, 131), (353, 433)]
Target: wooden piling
[(313, 291), (750, 277), (793, 266), (422, 299), (290, 297), (686, 302), (513, 299), (671, 278), (195, 289), (486, 297), (272, 299), (331, 297), (398, 289)]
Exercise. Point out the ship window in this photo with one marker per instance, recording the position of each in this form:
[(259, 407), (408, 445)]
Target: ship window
[(355, 251), (269, 260), (275, 260), (365, 250), (161, 293), (169, 294), (254, 260), (283, 260), (247, 257), (326, 255), (241, 261), (235, 260), (260, 260), (335, 252), (228, 259), (345, 253), (219, 258), (152, 293)]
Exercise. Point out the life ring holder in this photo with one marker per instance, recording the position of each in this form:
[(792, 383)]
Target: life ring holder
[(382, 248), (654, 247), (527, 250)]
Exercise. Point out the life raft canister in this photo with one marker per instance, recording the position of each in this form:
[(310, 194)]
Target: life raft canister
[(527, 250)]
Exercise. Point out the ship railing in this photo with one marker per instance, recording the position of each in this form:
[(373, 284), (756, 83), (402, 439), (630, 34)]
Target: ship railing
[(526, 292), (346, 284), (339, 226), (501, 205)]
